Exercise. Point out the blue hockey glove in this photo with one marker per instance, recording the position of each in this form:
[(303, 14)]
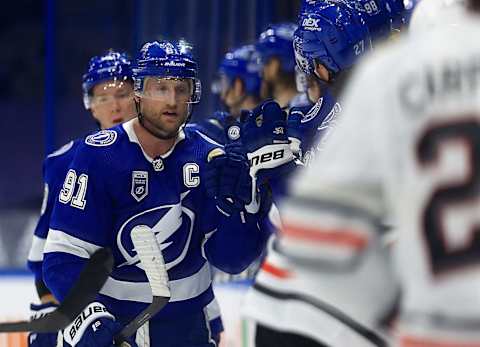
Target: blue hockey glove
[(95, 326), (227, 175), (266, 141), (42, 339)]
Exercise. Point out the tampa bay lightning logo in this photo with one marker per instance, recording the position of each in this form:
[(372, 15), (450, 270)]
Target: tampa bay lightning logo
[(172, 226), (101, 138)]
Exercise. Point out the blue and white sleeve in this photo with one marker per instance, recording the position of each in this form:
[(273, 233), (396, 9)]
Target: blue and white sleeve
[(35, 255), (80, 224)]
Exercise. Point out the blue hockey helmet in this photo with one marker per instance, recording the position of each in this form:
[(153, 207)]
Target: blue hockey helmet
[(377, 14), (331, 35), (111, 66), (242, 63), (276, 41), (169, 60)]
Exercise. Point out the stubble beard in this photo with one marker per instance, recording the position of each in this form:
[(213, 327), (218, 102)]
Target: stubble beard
[(154, 125)]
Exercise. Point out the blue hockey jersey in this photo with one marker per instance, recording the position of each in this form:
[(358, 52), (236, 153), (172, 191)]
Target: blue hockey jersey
[(55, 167), (111, 186), (311, 124)]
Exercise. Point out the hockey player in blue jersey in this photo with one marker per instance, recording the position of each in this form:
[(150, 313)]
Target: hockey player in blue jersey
[(327, 65), (108, 95), (238, 84), (278, 73), (240, 79), (150, 171)]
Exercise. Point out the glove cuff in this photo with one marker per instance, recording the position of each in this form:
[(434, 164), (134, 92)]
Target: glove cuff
[(74, 332)]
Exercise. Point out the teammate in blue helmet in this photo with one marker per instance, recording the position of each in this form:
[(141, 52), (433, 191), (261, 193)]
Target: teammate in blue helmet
[(329, 41), (278, 73), (238, 85), (381, 16), (153, 172), (240, 79), (108, 89), (108, 93)]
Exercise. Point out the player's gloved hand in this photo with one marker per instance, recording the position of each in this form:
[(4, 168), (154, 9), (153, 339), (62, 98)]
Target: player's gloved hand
[(95, 326), (227, 175), (265, 139), (42, 339)]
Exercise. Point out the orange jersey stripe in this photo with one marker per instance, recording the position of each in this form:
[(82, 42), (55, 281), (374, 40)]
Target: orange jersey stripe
[(275, 271), (337, 237), (407, 341)]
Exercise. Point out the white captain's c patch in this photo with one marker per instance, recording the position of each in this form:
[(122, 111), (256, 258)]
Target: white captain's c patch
[(101, 138)]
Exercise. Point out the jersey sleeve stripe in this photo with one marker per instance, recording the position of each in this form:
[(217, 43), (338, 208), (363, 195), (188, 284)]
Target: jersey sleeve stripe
[(181, 289), (36, 250), (212, 310), (59, 241), (409, 341), (205, 239)]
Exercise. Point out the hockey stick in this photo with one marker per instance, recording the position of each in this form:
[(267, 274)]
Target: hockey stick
[(91, 280), (152, 261)]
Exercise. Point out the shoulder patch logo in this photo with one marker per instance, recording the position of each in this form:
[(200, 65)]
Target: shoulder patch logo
[(101, 138), (139, 185)]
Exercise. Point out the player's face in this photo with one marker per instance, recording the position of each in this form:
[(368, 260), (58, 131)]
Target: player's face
[(233, 94), (164, 105), (270, 72), (112, 103)]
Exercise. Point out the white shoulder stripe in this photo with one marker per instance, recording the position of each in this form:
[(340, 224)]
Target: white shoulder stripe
[(36, 250), (64, 149), (208, 139), (59, 241)]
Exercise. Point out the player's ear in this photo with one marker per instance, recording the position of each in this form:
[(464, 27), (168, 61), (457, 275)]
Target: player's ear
[(322, 72)]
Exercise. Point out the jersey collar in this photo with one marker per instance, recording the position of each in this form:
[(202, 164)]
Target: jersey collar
[(128, 127)]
